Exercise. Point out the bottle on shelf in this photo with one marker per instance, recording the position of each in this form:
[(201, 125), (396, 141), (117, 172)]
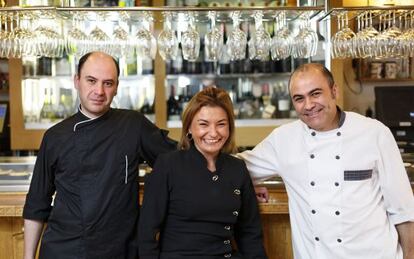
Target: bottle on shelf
[(61, 111), (125, 99), (283, 102), (177, 63), (173, 107), (186, 97), (147, 108), (147, 66), (269, 109), (47, 114), (247, 63)]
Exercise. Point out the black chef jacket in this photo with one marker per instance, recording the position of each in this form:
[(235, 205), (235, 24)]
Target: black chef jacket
[(199, 212), (92, 164)]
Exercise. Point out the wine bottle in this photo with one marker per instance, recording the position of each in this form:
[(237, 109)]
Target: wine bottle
[(46, 113), (283, 103), (173, 107), (61, 111)]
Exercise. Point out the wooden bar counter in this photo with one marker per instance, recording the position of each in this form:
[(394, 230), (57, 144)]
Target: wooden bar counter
[(275, 219)]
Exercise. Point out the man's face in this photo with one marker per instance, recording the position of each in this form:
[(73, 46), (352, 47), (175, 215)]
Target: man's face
[(314, 100), (97, 84)]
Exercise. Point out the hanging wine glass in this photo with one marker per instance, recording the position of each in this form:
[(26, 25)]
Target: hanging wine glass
[(48, 42), (4, 35), (259, 44), (145, 43), (281, 44), (121, 45), (213, 40), (98, 39), (76, 38), (167, 41), (237, 40), (190, 40)]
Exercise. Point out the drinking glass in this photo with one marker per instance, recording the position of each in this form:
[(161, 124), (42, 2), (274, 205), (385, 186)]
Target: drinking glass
[(4, 35), (343, 40), (76, 40), (167, 41), (281, 44), (145, 43), (98, 39), (306, 41), (259, 45), (190, 40), (237, 39), (213, 40)]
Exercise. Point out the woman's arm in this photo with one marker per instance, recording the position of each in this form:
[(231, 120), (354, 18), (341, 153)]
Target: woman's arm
[(32, 231)]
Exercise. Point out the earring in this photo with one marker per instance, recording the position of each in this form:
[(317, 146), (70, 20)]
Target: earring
[(189, 136)]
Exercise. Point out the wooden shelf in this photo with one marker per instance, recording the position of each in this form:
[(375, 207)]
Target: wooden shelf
[(373, 80)]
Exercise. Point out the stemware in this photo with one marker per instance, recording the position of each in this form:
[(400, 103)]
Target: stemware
[(213, 40), (306, 41), (98, 39), (343, 40), (190, 40), (281, 44), (4, 35), (145, 43), (237, 39), (76, 40), (259, 44), (167, 41)]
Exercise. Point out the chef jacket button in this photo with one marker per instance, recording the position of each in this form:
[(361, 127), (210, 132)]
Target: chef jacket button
[(313, 133), (317, 238), (338, 133), (227, 227), (237, 191), (226, 242), (236, 213), (215, 178), (313, 211), (227, 255), (312, 183), (337, 213), (339, 240), (336, 184), (337, 157), (312, 156)]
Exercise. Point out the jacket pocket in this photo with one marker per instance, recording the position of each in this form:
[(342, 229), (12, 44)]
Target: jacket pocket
[(357, 175)]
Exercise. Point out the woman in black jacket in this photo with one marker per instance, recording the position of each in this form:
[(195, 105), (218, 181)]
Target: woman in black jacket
[(199, 201)]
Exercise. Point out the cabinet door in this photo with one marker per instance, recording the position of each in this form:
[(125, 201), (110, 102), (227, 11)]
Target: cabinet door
[(11, 238), (18, 238)]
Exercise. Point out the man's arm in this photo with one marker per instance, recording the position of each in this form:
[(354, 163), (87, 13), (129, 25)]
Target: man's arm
[(32, 231), (406, 238)]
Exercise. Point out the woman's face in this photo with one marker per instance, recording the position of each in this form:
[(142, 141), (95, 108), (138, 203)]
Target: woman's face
[(210, 130)]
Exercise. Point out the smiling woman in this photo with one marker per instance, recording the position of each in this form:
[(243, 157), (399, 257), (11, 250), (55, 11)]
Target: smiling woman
[(200, 198)]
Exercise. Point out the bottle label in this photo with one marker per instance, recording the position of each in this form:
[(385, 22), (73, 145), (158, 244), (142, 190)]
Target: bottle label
[(284, 105)]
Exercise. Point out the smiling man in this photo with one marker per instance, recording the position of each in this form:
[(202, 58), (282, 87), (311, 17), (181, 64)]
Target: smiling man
[(90, 163), (349, 194)]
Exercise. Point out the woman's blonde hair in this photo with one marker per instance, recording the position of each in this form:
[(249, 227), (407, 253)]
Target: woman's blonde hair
[(212, 97)]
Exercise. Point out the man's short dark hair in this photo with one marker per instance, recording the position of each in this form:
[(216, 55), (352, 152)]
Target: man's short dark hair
[(324, 71), (85, 57)]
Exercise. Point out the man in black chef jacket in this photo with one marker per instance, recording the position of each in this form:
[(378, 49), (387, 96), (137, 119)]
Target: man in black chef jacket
[(90, 162)]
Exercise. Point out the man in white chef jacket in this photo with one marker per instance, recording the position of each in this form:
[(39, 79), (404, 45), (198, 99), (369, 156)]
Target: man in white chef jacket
[(349, 194)]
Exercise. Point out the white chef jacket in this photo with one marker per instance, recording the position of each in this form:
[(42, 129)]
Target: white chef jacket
[(347, 187)]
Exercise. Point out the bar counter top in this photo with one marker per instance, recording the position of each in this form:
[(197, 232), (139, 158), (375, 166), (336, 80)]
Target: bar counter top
[(11, 203)]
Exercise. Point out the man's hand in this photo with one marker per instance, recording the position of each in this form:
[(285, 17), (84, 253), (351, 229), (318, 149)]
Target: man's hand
[(262, 194)]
